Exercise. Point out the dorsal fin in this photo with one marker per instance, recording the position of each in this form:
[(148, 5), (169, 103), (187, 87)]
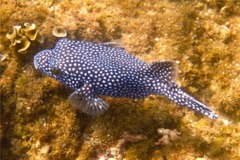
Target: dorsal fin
[(115, 44), (165, 70)]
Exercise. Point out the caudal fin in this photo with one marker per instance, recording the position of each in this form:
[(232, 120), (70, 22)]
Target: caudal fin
[(177, 95)]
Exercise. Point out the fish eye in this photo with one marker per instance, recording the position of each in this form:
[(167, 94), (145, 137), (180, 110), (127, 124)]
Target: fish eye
[(55, 71)]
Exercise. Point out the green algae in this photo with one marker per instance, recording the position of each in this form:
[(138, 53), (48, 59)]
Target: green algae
[(203, 36)]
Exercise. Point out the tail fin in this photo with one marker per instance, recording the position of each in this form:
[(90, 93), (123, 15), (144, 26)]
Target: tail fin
[(177, 95), (166, 72)]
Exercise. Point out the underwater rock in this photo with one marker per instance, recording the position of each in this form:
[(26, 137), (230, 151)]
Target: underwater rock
[(117, 151), (168, 136), (2, 57), (59, 32), (22, 37)]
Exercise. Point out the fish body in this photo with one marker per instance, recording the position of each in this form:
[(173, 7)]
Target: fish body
[(92, 69)]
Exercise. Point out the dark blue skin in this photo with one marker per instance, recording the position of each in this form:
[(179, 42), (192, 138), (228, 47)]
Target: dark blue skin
[(102, 69)]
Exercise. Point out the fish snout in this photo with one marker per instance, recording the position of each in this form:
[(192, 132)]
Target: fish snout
[(41, 59)]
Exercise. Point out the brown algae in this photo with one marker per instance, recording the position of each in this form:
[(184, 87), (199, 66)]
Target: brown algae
[(59, 32), (22, 37)]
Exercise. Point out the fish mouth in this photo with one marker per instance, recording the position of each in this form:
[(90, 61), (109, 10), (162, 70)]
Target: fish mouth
[(35, 62), (41, 59)]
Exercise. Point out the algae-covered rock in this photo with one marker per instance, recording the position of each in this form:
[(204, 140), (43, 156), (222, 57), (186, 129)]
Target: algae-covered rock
[(37, 121)]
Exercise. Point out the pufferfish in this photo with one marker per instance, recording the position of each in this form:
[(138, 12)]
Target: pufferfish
[(92, 69)]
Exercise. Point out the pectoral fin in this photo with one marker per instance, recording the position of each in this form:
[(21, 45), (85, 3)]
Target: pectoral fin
[(85, 100)]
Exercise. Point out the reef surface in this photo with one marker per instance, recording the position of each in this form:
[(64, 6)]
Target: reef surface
[(203, 36)]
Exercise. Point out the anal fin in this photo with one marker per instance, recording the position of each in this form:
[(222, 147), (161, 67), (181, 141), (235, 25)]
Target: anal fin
[(85, 100)]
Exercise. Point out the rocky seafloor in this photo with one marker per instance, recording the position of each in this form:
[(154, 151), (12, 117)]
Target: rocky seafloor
[(203, 36)]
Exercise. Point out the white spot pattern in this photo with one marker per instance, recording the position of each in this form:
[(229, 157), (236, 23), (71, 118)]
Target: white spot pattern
[(112, 72)]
